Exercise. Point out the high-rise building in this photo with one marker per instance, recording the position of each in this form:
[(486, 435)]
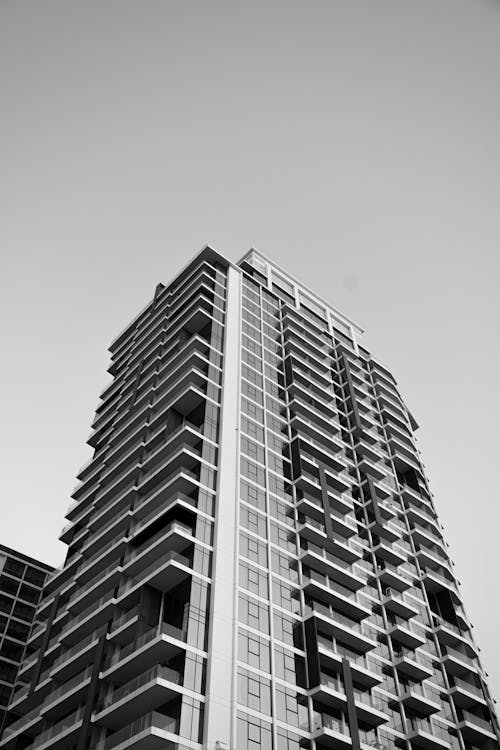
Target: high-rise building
[(254, 557), (21, 582)]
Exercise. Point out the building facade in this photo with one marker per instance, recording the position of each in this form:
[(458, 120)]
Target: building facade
[(21, 582), (254, 557)]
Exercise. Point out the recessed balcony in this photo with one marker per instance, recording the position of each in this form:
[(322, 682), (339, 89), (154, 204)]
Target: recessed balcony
[(475, 729), (154, 731), (142, 694)]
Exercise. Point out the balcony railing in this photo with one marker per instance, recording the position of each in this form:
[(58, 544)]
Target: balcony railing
[(154, 720), (59, 728)]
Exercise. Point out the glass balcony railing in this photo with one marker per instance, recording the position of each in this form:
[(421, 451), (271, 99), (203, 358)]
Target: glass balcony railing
[(153, 720), (156, 672), (61, 727), (169, 557)]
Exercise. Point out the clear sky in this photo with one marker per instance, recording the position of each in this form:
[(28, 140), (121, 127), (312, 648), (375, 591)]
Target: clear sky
[(355, 143)]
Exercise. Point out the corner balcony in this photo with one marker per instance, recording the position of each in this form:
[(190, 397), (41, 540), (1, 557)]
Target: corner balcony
[(154, 731), (396, 603), (340, 627), (325, 563), (407, 635), (415, 698), (156, 646), (314, 531), (150, 690), (175, 537), (331, 733), (162, 574), (457, 663), (452, 635), (342, 599), (475, 729), (466, 694), (435, 582), (408, 666)]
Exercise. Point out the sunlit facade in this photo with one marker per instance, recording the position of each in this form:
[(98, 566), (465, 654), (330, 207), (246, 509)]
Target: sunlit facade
[(254, 557)]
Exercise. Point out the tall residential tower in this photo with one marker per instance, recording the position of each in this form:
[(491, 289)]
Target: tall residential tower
[(254, 557)]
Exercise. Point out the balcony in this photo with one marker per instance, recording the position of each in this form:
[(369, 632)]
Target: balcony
[(435, 582), (369, 708), (406, 635), (427, 736), (154, 731), (162, 574), (390, 554), (475, 729), (321, 454), (175, 537), (408, 666), (123, 625), (67, 695), (156, 645), (104, 581), (360, 669), (466, 694), (391, 577), (396, 603), (329, 692), (331, 733), (27, 725), (325, 563), (452, 635), (88, 621), (374, 470), (342, 628), (314, 531), (342, 599), (138, 696), (60, 735), (457, 663), (416, 699)]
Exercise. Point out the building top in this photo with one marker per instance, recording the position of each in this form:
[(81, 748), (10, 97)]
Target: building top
[(25, 558)]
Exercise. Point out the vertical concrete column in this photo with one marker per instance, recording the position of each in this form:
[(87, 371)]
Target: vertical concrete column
[(221, 645)]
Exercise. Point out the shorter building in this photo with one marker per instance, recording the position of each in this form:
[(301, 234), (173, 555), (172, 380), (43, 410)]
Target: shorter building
[(21, 583)]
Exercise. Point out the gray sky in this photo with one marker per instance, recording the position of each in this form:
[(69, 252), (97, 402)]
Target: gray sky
[(355, 143)]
